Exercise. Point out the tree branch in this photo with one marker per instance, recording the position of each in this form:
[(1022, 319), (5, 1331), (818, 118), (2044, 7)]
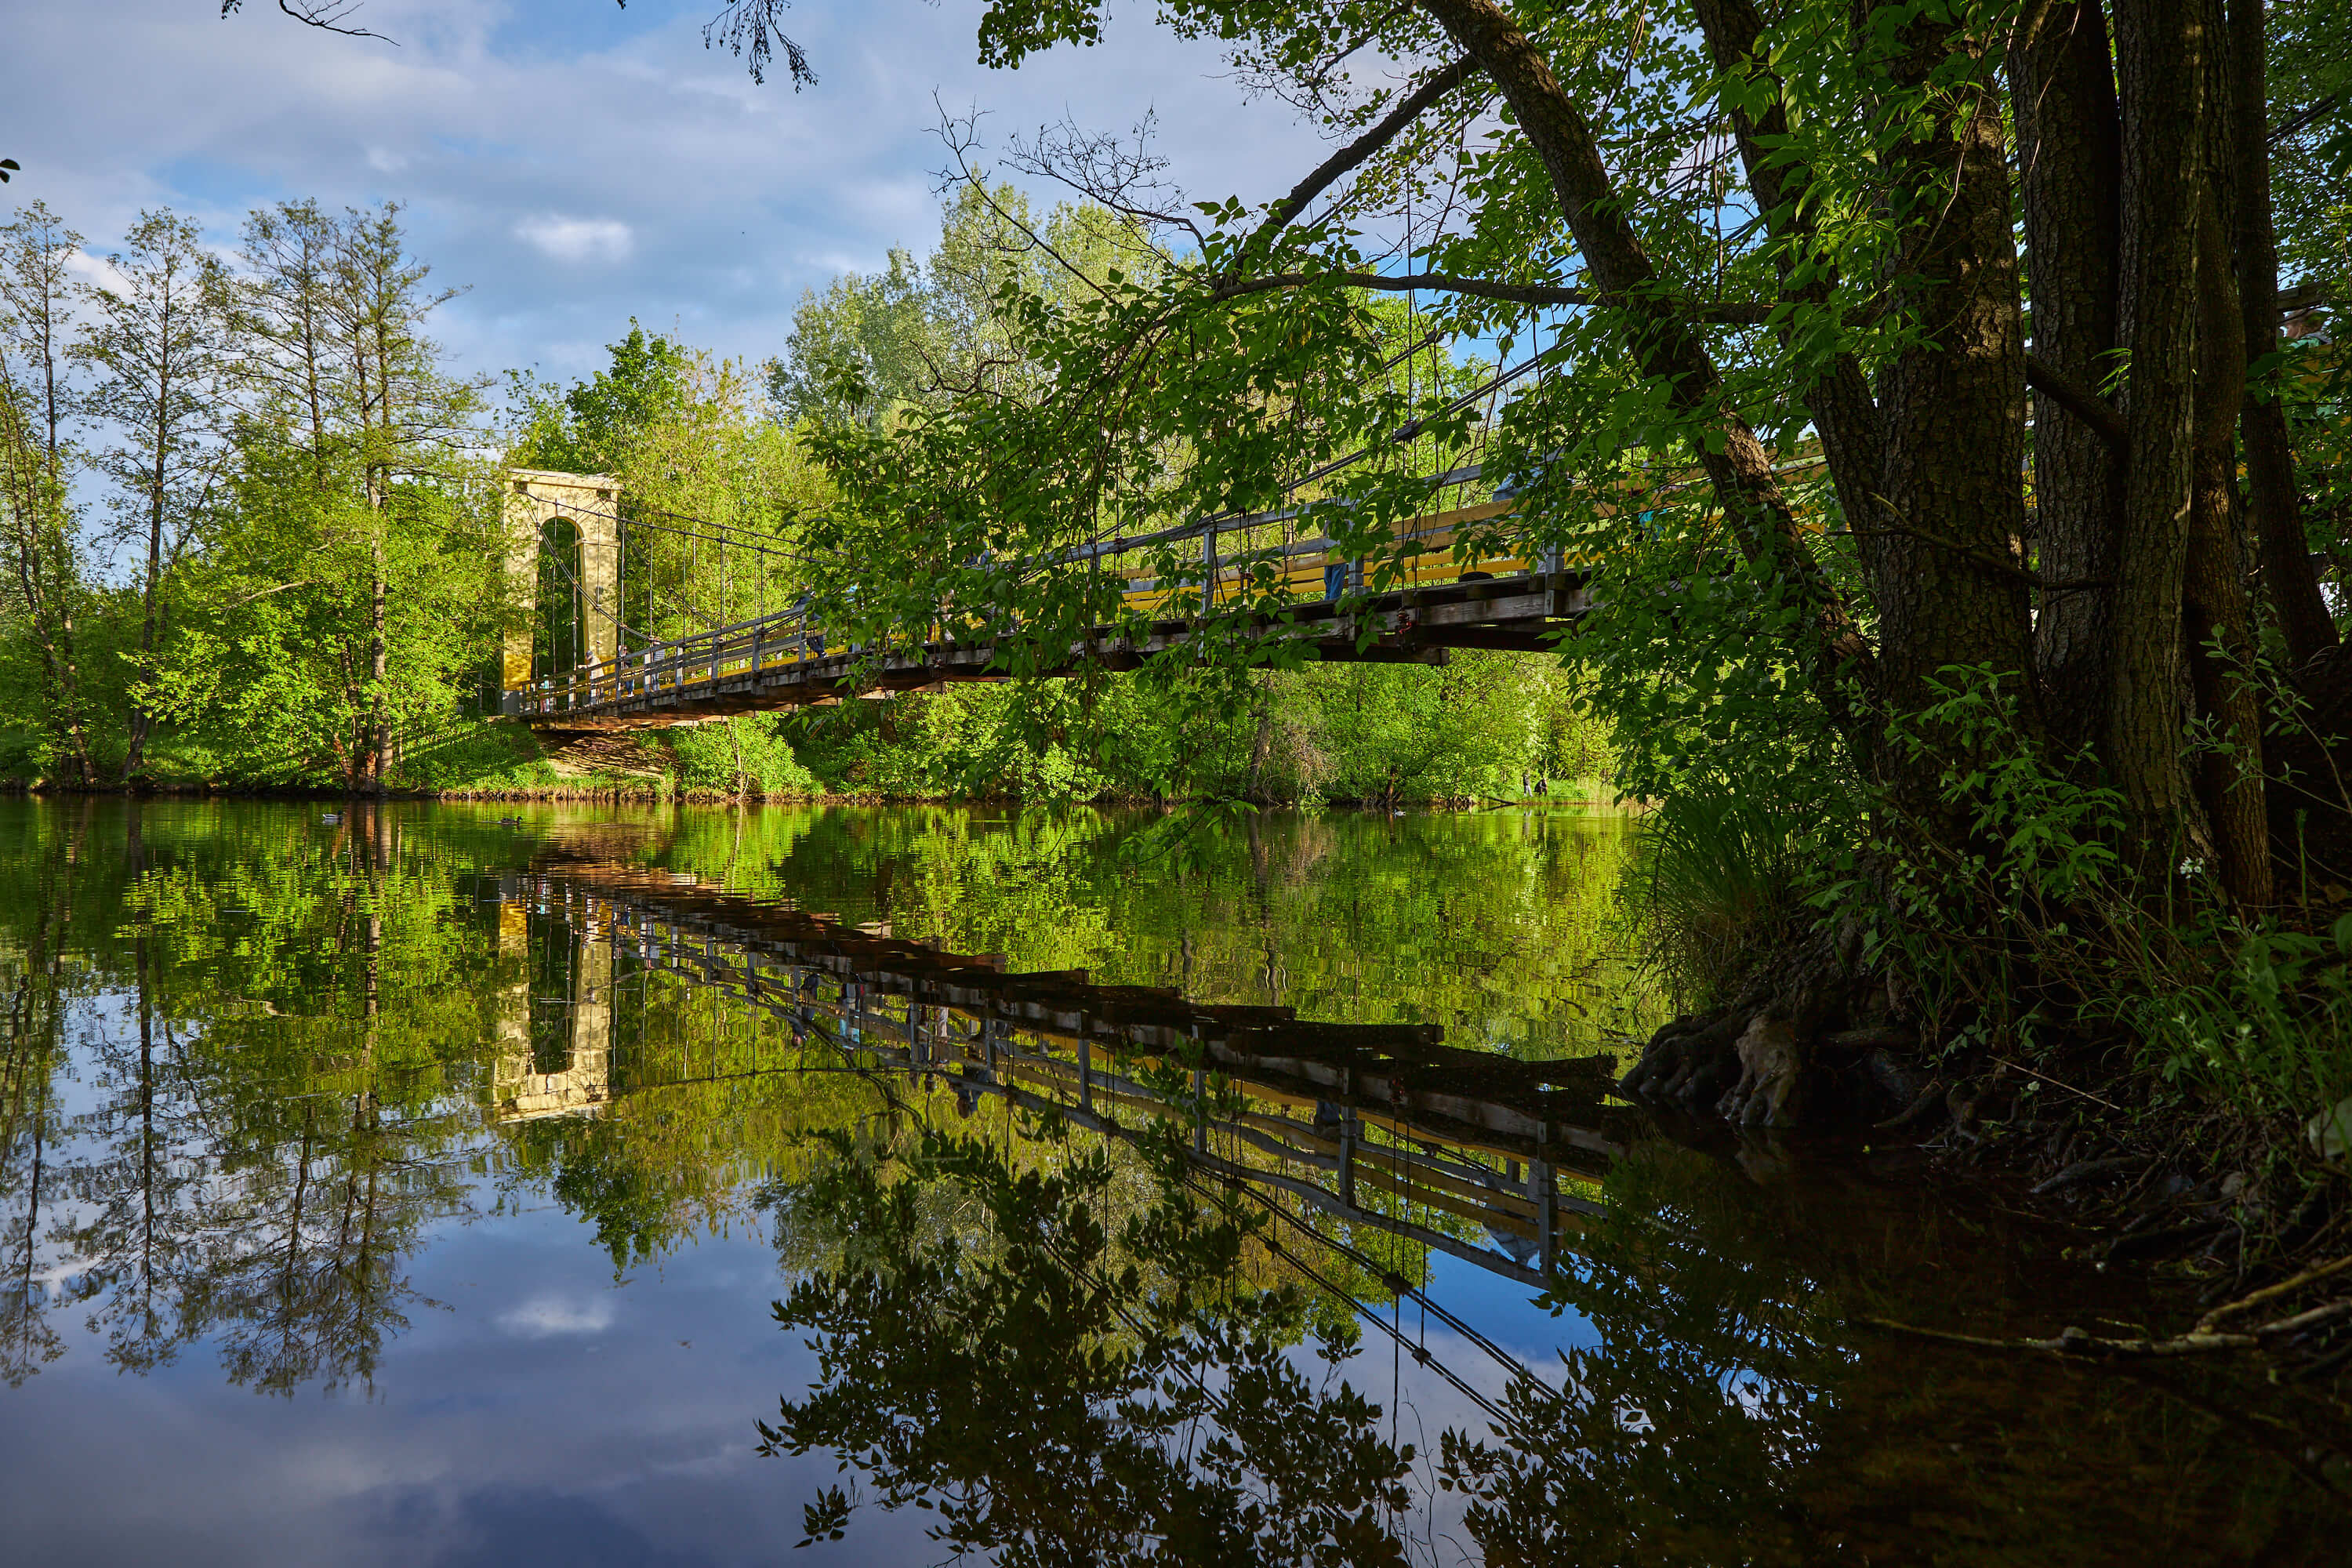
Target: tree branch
[(2078, 400), (327, 15), (1413, 105), (1731, 314)]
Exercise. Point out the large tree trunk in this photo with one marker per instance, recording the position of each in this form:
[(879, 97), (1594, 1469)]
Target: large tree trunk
[(1662, 339), (2289, 579), (2218, 628), (2070, 175), (1950, 586), (2160, 48)]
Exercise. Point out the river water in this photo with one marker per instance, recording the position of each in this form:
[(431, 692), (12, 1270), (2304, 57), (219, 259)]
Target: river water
[(435, 1185)]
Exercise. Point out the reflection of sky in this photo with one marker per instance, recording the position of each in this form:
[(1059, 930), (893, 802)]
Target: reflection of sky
[(545, 1414), (1507, 1313)]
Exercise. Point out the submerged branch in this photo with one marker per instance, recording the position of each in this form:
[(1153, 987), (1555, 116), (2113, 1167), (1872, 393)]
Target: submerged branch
[(2205, 1338)]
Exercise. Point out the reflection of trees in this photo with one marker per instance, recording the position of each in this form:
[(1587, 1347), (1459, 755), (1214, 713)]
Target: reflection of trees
[(28, 1058), (269, 1130), (1727, 1414), (1502, 928), (1066, 1388), (1056, 1400)]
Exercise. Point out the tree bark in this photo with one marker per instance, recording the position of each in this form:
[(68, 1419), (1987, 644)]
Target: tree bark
[(2290, 580), (1952, 407), (2070, 176), (2218, 628), (2160, 46)]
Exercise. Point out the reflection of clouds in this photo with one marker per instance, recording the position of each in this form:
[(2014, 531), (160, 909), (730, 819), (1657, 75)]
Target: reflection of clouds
[(544, 1317)]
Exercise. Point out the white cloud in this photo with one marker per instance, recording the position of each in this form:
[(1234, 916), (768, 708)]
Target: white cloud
[(544, 1316), (96, 271), (577, 238), (573, 165)]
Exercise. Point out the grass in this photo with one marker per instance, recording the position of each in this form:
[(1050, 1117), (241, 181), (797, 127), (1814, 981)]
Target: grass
[(1716, 888)]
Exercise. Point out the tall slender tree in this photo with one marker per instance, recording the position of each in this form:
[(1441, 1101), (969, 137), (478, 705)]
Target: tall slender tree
[(38, 405), (405, 411), (158, 343)]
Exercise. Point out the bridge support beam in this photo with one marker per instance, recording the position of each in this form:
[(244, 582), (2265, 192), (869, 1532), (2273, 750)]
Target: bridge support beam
[(591, 503)]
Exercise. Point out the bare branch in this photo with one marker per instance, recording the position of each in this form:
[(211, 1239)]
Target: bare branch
[(327, 15), (1413, 106), (2077, 400), (751, 31), (959, 137), (1105, 170), (1729, 314)]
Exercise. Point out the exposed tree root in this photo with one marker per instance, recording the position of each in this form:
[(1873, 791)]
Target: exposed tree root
[(1785, 1047)]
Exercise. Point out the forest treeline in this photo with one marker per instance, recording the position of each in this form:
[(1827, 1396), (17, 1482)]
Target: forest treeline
[(254, 537)]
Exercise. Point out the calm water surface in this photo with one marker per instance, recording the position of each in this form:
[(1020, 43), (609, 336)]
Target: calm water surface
[(418, 1187)]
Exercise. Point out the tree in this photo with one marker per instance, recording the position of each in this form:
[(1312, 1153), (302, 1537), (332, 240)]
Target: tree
[(353, 571), (157, 343), (1765, 228), (38, 405), (406, 413)]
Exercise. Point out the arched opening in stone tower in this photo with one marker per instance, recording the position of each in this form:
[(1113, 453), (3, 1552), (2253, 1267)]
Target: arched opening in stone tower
[(560, 632)]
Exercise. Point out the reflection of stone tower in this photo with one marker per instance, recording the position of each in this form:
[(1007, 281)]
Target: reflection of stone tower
[(591, 503), (519, 1091)]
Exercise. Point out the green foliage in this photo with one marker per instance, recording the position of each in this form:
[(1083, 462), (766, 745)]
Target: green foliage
[(1719, 886), (594, 427), (2035, 932), (741, 756), (310, 463), (1485, 727)]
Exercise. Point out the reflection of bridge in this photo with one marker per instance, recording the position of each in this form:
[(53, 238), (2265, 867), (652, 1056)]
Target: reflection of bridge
[(1444, 591), (1374, 1124), (524, 1082)]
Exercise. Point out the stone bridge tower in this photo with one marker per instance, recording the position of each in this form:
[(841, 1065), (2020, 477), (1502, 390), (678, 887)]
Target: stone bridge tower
[(590, 504)]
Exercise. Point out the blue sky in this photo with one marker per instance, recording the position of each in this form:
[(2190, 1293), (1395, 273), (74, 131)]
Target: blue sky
[(572, 164)]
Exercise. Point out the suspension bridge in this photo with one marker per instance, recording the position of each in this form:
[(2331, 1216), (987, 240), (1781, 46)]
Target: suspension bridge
[(1324, 603), (1452, 576)]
